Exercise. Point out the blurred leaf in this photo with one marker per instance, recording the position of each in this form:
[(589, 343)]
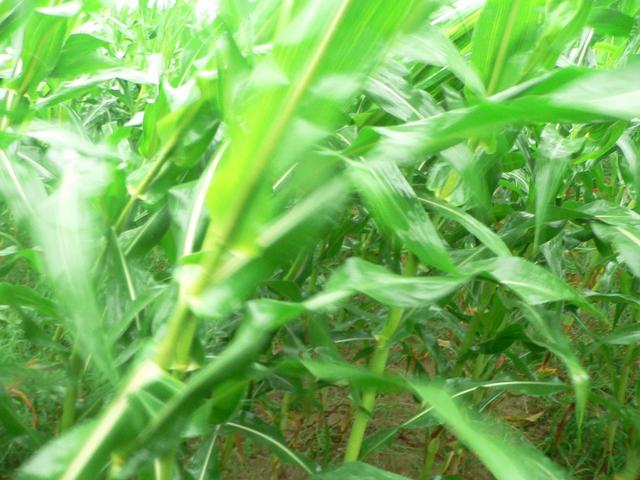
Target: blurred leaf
[(631, 156), (84, 84), (13, 426), (291, 101), (388, 87), (92, 444), (569, 95), (64, 225), (431, 47), (225, 400), (502, 40), (80, 56), (21, 296), (44, 37), (610, 21), (423, 419), (51, 459), (13, 13), (562, 22), (506, 457), (626, 335)]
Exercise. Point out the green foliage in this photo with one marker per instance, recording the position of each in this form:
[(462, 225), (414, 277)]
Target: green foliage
[(218, 222)]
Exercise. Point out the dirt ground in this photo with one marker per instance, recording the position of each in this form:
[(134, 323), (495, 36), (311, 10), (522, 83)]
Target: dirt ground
[(404, 456)]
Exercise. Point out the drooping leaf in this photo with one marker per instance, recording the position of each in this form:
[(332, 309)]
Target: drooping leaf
[(533, 388), (506, 459), (552, 160), (534, 284), (262, 433), (626, 335), (431, 47), (397, 210), (569, 95), (490, 239), (557, 342)]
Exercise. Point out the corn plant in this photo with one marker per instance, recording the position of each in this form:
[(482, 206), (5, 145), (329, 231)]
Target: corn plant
[(224, 221)]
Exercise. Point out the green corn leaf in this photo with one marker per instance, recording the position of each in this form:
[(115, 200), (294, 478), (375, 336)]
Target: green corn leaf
[(534, 284), (264, 434), (202, 464), (64, 225), (502, 40), (292, 100), (13, 14), (631, 156), (490, 239), (431, 47), (396, 96), (93, 444), (506, 459), (610, 21), (533, 388), (619, 226), (390, 289), (572, 96), (626, 335), (44, 36), (552, 160), (562, 22), (86, 83), (233, 69), (626, 240), (21, 296), (80, 56), (397, 211), (611, 214), (557, 342), (50, 461), (389, 88)]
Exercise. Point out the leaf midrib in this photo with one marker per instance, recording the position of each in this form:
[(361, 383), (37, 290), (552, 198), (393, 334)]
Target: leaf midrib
[(502, 51), (277, 132)]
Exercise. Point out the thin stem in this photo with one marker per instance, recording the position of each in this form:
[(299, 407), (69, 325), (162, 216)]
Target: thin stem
[(377, 365), (163, 467), (432, 445), (71, 396), (167, 350), (620, 393), (158, 164)]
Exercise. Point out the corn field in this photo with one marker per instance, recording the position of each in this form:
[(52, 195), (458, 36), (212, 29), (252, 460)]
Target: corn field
[(325, 239)]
